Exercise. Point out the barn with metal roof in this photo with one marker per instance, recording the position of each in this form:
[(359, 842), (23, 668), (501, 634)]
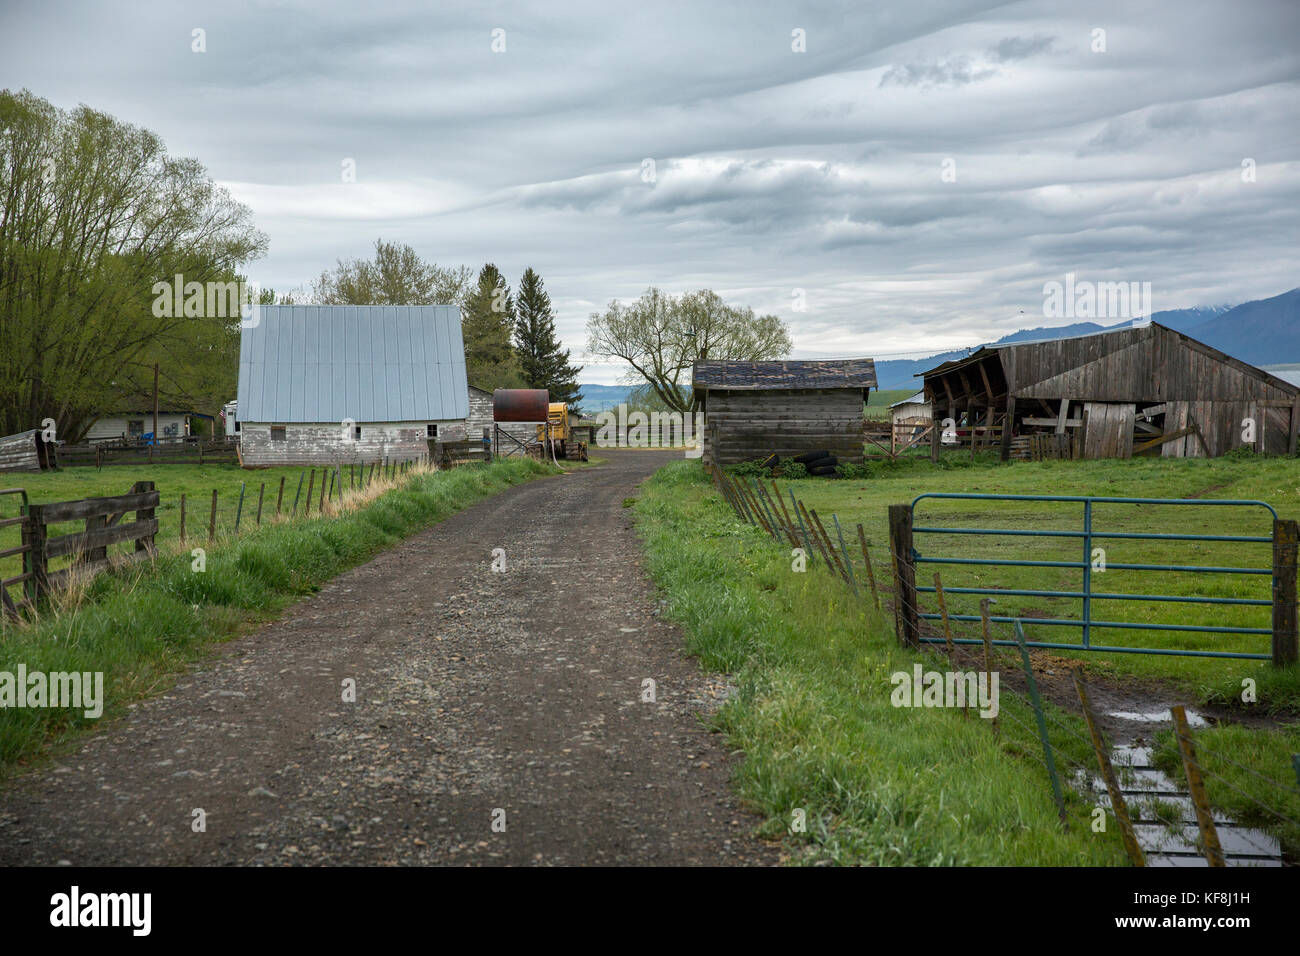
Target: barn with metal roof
[(755, 409), (344, 383)]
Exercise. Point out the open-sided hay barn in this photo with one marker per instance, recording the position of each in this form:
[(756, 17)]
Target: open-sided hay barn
[(394, 374), (755, 409), (1139, 390)]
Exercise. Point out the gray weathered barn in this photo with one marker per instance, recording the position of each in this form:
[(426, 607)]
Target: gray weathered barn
[(27, 451), (344, 383), (755, 409), (1142, 389)]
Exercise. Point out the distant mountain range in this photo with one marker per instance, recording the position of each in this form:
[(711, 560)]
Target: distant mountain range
[(598, 398), (1262, 332)]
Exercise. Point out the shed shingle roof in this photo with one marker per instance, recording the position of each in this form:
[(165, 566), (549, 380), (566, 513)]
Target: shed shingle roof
[(308, 363), (833, 373)]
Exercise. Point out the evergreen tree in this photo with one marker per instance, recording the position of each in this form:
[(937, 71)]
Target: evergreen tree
[(486, 325), (543, 363)]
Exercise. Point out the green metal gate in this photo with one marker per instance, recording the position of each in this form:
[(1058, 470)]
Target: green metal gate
[(1088, 535)]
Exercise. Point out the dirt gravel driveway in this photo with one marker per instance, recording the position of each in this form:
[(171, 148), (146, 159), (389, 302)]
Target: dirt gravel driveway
[(482, 697)]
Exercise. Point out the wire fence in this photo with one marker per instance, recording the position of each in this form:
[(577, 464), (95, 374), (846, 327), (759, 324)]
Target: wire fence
[(1171, 817), (178, 520)]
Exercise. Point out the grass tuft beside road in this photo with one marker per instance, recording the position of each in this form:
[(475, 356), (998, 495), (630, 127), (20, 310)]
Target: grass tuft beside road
[(139, 626), (878, 784)]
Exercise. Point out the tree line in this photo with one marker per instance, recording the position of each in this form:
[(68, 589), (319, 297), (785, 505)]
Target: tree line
[(96, 217)]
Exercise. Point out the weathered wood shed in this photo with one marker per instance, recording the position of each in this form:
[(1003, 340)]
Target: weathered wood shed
[(755, 409), (1142, 389), (27, 451), (331, 384)]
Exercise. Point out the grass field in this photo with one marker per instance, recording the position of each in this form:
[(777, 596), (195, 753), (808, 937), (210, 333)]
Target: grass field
[(877, 784), (139, 626)]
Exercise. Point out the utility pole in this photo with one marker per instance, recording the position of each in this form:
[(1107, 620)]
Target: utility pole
[(155, 403)]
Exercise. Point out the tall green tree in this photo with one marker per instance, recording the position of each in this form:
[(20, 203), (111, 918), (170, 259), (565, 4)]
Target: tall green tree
[(94, 215), (487, 323), (662, 336), (543, 362), (395, 276)]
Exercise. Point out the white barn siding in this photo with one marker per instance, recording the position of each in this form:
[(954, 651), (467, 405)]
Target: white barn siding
[(322, 443)]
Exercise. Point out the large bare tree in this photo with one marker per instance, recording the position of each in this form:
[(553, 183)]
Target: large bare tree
[(662, 336)]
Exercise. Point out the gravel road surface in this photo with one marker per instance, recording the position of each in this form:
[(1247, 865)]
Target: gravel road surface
[(498, 717)]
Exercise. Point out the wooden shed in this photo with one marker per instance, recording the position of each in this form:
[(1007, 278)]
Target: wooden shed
[(755, 409), (339, 384), (27, 451), (1139, 390)]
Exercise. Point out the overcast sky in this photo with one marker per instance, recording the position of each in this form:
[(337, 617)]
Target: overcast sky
[(774, 170)]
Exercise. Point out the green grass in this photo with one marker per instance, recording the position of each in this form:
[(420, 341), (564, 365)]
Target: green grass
[(1274, 480), (142, 625), (878, 784)]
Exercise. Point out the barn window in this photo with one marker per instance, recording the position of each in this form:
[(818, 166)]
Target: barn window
[(433, 431), (277, 433), (135, 426), (356, 433)]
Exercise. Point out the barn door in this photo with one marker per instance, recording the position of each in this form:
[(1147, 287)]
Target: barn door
[(1275, 425)]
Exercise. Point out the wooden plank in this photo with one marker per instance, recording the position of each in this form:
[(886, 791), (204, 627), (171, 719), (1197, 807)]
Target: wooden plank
[(100, 537), (59, 579), (1147, 445), (75, 510), (1063, 416)]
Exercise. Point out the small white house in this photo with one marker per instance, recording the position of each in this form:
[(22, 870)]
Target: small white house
[(133, 426)]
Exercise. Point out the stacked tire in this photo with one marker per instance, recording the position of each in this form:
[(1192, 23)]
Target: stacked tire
[(820, 464)]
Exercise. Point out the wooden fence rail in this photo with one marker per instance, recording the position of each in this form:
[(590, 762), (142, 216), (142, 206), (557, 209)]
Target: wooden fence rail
[(89, 548)]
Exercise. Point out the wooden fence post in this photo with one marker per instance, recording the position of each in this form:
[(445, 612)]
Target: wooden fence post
[(261, 492), (1196, 787), (142, 514), (311, 486), (988, 644), (34, 537), (1286, 534), (900, 542), (280, 497), (1117, 802), (871, 573)]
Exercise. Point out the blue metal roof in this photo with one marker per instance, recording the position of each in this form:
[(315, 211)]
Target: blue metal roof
[(370, 363)]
